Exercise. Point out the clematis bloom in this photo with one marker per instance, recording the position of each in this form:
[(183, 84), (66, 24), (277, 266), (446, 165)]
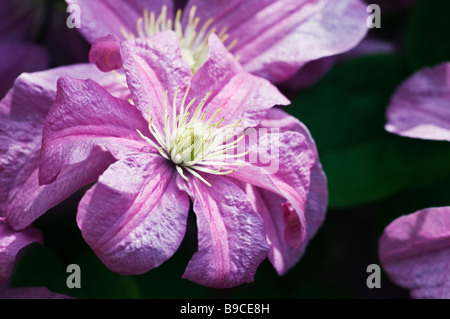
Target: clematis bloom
[(414, 249), (272, 39), (170, 147)]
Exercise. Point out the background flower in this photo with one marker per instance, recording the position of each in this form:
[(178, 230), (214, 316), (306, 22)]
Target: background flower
[(272, 39), (414, 248)]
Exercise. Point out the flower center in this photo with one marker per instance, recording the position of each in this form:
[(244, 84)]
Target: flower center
[(194, 143), (194, 44)]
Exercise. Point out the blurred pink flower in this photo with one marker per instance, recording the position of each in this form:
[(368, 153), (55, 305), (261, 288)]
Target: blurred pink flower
[(134, 217), (414, 249), (421, 106), (415, 252), (272, 39)]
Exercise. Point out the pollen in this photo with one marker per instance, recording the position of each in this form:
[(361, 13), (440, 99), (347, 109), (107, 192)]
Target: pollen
[(193, 143), (193, 39)]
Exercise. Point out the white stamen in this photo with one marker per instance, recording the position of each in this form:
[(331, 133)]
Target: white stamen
[(193, 143), (194, 45)]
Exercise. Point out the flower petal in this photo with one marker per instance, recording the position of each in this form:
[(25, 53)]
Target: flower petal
[(288, 177), (240, 94), (105, 53), (415, 251), (11, 242), (31, 293), (231, 237), (28, 200), (421, 106), (276, 38), (21, 198), (135, 217), (279, 194), (153, 66), (102, 17), (83, 117)]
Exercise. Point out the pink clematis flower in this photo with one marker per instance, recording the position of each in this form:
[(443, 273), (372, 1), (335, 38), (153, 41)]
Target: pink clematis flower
[(22, 116), (272, 39), (414, 249), (169, 147)]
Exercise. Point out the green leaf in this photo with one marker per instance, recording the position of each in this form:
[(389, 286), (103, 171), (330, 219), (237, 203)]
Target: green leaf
[(345, 113), (427, 35)]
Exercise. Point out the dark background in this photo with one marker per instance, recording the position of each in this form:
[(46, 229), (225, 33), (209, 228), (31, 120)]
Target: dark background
[(374, 177)]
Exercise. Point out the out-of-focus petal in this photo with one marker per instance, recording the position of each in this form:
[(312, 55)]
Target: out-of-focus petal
[(421, 106), (84, 117), (31, 293), (239, 94), (28, 200), (102, 17), (276, 38), (135, 217), (415, 252), (231, 237), (11, 242), (105, 53), (315, 70)]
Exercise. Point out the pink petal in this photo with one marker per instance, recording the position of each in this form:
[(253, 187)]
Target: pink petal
[(317, 196), (153, 66), (280, 194), (28, 201), (134, 218), (11, 242), (240, 94), (105, 53), (231, 237), (31, 293), (415, 252), (84, 117), (102, 17), (276, 38), (421, 106), (22, 200)]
